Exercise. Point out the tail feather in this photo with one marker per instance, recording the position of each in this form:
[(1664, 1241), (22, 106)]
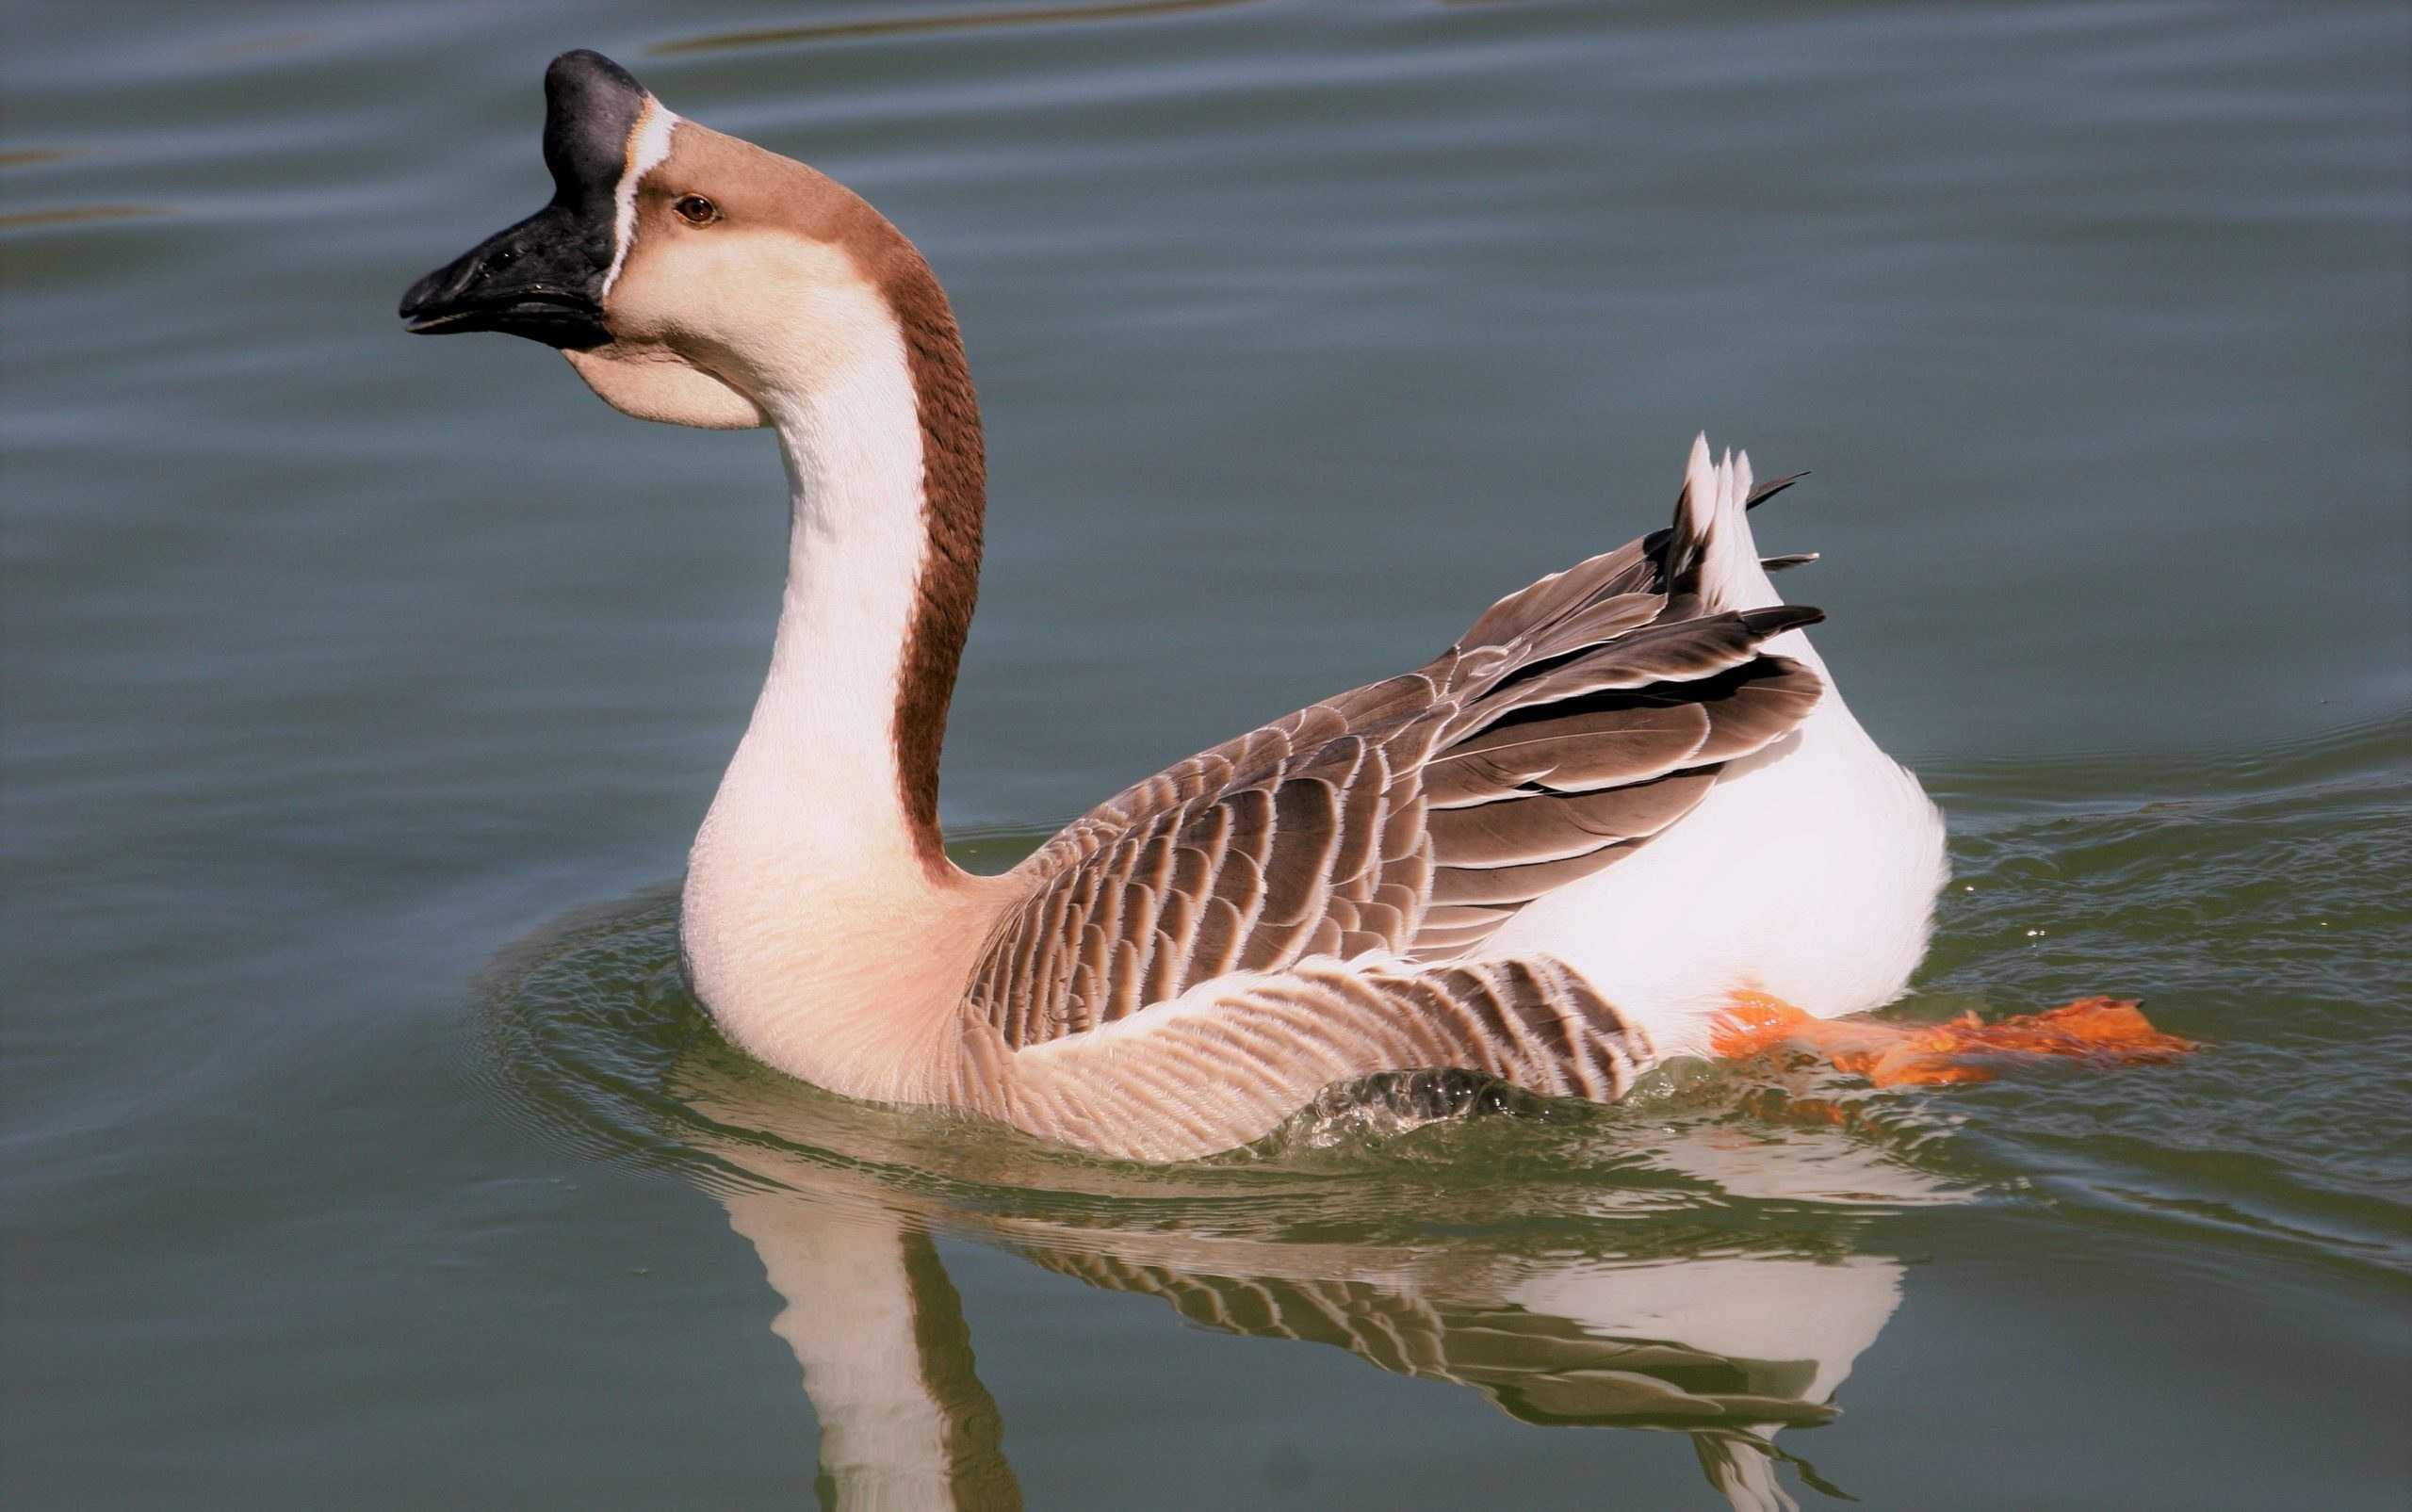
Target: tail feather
[(1711, 552), (1706, 555), (1771, 488)]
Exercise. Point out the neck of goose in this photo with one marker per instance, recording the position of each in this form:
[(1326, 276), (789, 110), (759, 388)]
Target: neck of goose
[(818, 875)]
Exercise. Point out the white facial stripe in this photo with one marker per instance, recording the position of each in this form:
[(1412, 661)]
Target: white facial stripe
[(648, 144)]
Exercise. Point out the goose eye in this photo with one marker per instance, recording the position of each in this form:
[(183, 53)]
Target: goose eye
[(696, 210)]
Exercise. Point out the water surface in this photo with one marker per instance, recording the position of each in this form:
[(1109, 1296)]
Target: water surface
[(360, 695)]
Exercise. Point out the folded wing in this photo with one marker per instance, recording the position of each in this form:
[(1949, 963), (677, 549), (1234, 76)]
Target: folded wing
[(1574, 721)]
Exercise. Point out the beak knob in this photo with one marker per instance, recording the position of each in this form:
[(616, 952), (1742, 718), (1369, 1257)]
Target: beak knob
[(543, 278)]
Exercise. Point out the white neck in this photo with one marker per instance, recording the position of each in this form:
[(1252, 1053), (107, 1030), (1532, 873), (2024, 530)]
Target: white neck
[(804, 889), (817, 771)]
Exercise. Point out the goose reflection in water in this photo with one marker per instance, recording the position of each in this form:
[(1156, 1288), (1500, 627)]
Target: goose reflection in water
[(1671, 1333)]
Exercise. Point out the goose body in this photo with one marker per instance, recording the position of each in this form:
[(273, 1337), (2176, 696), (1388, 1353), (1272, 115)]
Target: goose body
[(1555, 854)]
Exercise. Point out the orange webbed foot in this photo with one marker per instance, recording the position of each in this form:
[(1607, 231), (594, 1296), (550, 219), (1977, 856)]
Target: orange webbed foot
[(2106, 1031)]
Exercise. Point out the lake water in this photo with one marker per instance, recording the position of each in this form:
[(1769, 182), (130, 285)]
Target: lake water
[(361, 693)]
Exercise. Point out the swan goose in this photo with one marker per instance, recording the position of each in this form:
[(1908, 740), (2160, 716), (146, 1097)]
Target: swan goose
[(1625, 817)]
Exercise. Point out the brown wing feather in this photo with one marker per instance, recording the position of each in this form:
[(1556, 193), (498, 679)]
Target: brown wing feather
[(1539, 1366), (1411, 817)]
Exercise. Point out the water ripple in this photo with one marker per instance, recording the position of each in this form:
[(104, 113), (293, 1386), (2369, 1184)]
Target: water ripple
[(2250, 920)]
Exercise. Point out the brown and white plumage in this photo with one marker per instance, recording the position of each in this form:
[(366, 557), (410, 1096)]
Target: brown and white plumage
[(1319, 900), (1409, 817), (1550, 853)]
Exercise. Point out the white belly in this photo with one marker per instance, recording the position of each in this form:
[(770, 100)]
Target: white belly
[(1808, 873)]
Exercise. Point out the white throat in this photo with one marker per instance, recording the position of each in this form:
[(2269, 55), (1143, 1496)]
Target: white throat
[(818, 766), (806, 863)]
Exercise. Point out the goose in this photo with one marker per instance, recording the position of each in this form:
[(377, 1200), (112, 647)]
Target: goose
[(1625, 817)]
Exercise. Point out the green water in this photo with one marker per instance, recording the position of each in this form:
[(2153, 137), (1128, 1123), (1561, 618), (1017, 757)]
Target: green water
[(358, 1146)]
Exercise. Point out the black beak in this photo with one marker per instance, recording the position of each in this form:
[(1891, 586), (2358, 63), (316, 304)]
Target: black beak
[(538, 280), (543, 279)]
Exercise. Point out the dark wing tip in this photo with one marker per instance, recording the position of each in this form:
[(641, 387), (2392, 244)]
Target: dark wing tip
[(1771, 488), (1766, 623)]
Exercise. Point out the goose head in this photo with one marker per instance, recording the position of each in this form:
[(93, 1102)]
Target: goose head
[(687, 275)]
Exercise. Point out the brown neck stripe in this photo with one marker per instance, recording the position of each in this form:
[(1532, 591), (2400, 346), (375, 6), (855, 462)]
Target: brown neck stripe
[(954, 482)]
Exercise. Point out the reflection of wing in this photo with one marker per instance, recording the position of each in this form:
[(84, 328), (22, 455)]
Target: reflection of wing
[(1540, 1367), (1642, 1329)]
